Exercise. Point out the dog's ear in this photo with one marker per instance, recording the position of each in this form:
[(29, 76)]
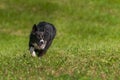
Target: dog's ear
[(34, 28)]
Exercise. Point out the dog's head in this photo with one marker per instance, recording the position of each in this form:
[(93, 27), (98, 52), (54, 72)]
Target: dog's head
[(39, 37)]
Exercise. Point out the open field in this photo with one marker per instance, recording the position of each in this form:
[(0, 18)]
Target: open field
[(87, 45)]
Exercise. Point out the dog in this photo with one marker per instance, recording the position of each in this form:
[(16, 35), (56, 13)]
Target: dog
[(41, 38)]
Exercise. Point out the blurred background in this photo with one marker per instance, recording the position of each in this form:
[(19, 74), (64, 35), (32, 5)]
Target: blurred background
[(87, 45)]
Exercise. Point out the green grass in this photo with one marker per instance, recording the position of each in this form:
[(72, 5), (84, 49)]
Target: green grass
[(87, 45)]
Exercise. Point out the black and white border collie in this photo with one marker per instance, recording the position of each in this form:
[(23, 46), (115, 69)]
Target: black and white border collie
[(41, 38)]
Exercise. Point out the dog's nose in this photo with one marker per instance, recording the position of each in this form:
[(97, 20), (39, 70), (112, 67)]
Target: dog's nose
[(41, 41)]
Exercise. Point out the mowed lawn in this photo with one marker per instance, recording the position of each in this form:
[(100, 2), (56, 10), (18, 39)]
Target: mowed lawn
[(87, 45)]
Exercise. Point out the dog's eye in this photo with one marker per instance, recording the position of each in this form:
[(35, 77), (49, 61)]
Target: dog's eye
[(40, 36), (37, 36)]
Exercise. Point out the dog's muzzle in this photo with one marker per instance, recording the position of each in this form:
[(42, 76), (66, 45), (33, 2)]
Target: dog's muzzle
[(41, 45), (41, 42)]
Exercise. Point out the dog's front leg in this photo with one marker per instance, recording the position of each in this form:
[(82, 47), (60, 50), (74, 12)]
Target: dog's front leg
[(41, 53), (32, 51)]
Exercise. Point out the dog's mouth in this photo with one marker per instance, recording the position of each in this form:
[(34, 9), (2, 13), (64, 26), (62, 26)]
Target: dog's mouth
[(40, 46)]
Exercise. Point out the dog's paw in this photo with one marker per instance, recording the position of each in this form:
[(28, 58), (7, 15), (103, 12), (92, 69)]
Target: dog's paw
[(33, 54)]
